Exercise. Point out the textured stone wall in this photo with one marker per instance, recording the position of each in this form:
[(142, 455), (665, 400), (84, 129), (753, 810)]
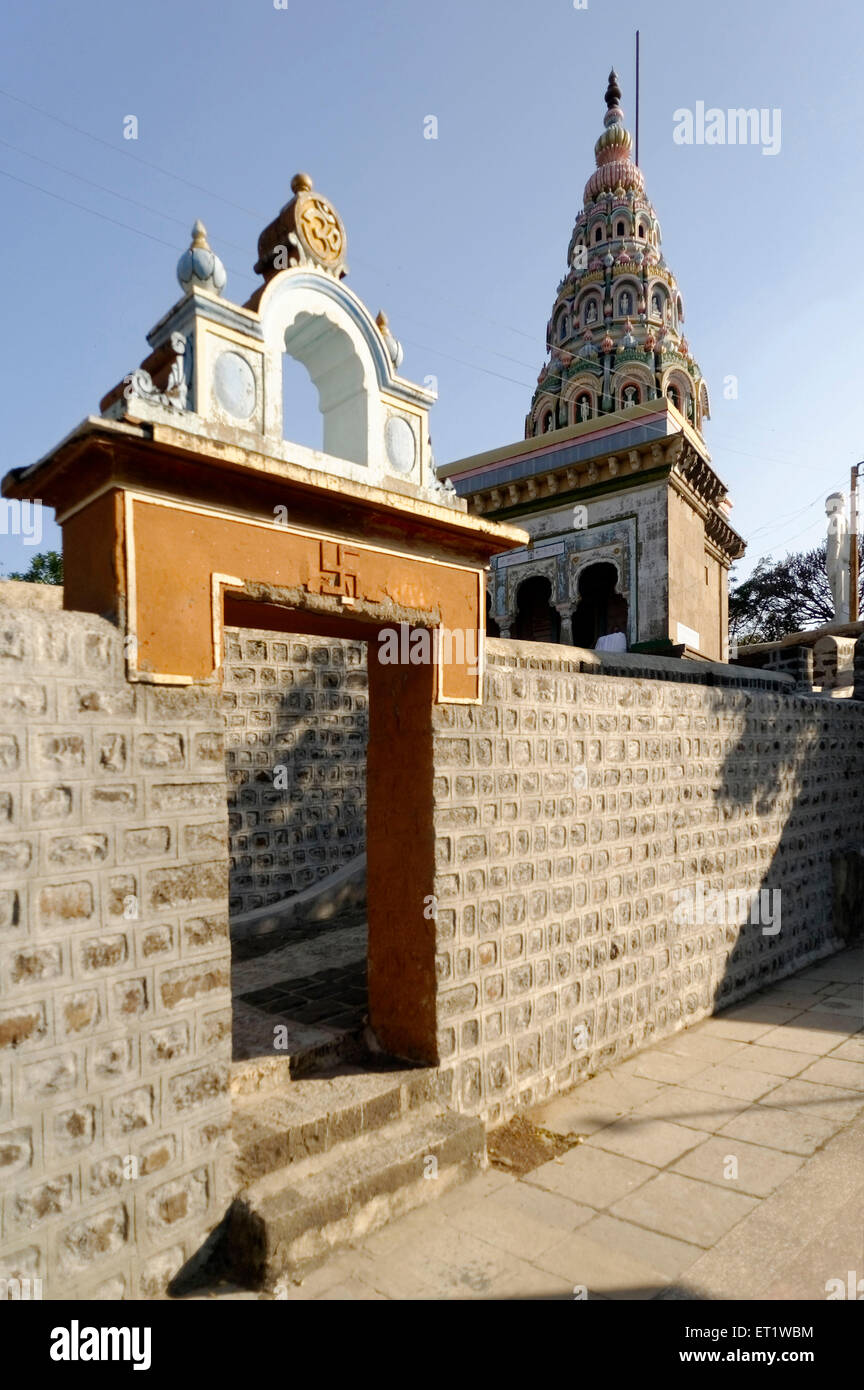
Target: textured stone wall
[(572, 807), (115, 1021), (569, 810), (698, 583), (301, 704)]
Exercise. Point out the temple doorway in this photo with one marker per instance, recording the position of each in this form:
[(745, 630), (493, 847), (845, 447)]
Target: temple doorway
[(327, 956), (296, 713), (600, 609), (536, 620)]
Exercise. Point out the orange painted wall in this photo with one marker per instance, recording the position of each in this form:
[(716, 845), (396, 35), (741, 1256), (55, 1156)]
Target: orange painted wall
[(93, 566), (176, 551)]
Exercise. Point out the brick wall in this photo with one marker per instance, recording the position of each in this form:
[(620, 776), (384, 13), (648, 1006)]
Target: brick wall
[(572, 806), (115, 1026), (299, 703)]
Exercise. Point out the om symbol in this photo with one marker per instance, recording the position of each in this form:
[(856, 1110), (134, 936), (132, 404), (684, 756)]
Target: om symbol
[(320, 227)]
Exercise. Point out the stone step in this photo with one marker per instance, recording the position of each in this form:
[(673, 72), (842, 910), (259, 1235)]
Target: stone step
[(311, 1116), (291, 1218), (318, 1050)]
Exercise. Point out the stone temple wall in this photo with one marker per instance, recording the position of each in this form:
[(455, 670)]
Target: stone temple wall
[(300, 704), (572, 807), (115, 1019)]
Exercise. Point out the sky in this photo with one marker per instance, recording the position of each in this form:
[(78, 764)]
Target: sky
[(462, 239)]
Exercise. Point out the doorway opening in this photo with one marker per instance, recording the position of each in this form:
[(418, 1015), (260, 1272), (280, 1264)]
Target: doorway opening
[(296, 715), (332, 839), (600, 609), (536, 620)]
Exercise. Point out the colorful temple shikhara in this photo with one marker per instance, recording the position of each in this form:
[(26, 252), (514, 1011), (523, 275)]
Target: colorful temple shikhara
[(613, 480)]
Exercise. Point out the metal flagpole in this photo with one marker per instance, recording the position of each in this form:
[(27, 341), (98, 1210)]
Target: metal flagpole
[(637, 96)]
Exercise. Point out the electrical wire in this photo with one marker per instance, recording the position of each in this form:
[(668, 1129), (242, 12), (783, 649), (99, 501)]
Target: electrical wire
[(169, 173)]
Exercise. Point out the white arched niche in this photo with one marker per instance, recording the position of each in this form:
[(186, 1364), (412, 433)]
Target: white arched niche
[(322, 325)]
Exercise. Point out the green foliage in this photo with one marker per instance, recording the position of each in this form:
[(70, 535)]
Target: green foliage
[(45, 568)]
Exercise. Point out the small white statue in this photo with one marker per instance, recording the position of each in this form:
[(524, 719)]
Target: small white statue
[(837, 555)]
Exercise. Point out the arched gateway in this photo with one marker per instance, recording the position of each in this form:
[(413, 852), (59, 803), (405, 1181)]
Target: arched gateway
[(184, 509)]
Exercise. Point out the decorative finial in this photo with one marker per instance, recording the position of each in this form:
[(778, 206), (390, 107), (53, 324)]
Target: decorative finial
[(308, 231), (613, 91), (199, 268)]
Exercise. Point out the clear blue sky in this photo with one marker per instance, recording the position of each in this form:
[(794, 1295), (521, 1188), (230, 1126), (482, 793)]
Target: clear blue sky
[(462, 239)]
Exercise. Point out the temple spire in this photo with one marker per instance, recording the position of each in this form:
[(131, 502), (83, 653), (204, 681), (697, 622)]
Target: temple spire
[(615, 337)]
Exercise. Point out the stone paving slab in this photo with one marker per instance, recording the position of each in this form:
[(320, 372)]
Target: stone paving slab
[(728, 1079), (591, 1265), (521, 1220), (797, 1037), (835, 1072), (831, 1102), (698, 1212), (702, 1110), (759, 1170), (568, 1115), (789, 1130), (647, 1140), (668, 1067), (663, 1253), (591, 1176), (776, 1061), (696, 1043), (643, 1207)]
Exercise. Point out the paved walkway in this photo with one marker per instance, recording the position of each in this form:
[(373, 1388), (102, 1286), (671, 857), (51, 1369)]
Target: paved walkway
[(724, 1163)]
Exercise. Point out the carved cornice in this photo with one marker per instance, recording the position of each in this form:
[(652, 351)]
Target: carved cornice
[(723, 536), (699, 475), (614, 468), (688, 472)]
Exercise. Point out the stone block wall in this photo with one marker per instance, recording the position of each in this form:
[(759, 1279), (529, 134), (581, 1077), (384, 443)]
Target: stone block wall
[(572, 808), (115, 1020), (300, 704)]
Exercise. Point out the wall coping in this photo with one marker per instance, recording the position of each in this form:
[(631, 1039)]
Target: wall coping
[(22, 593), (503, 652)]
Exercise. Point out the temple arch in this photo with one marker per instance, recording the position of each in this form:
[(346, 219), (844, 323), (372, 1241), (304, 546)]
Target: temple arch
[(536, 619), (601, 609)]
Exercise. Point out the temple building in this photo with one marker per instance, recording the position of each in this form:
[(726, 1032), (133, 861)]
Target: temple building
[(630, 536)]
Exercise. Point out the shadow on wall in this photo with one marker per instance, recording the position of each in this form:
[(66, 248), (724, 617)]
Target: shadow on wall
[(296, 717), (787, 781)]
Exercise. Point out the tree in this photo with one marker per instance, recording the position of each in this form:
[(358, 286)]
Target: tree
[(45, 568), (789, 595)]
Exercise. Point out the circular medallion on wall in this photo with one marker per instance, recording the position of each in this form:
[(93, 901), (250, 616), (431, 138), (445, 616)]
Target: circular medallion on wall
[(234, 385), (400, 443)]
